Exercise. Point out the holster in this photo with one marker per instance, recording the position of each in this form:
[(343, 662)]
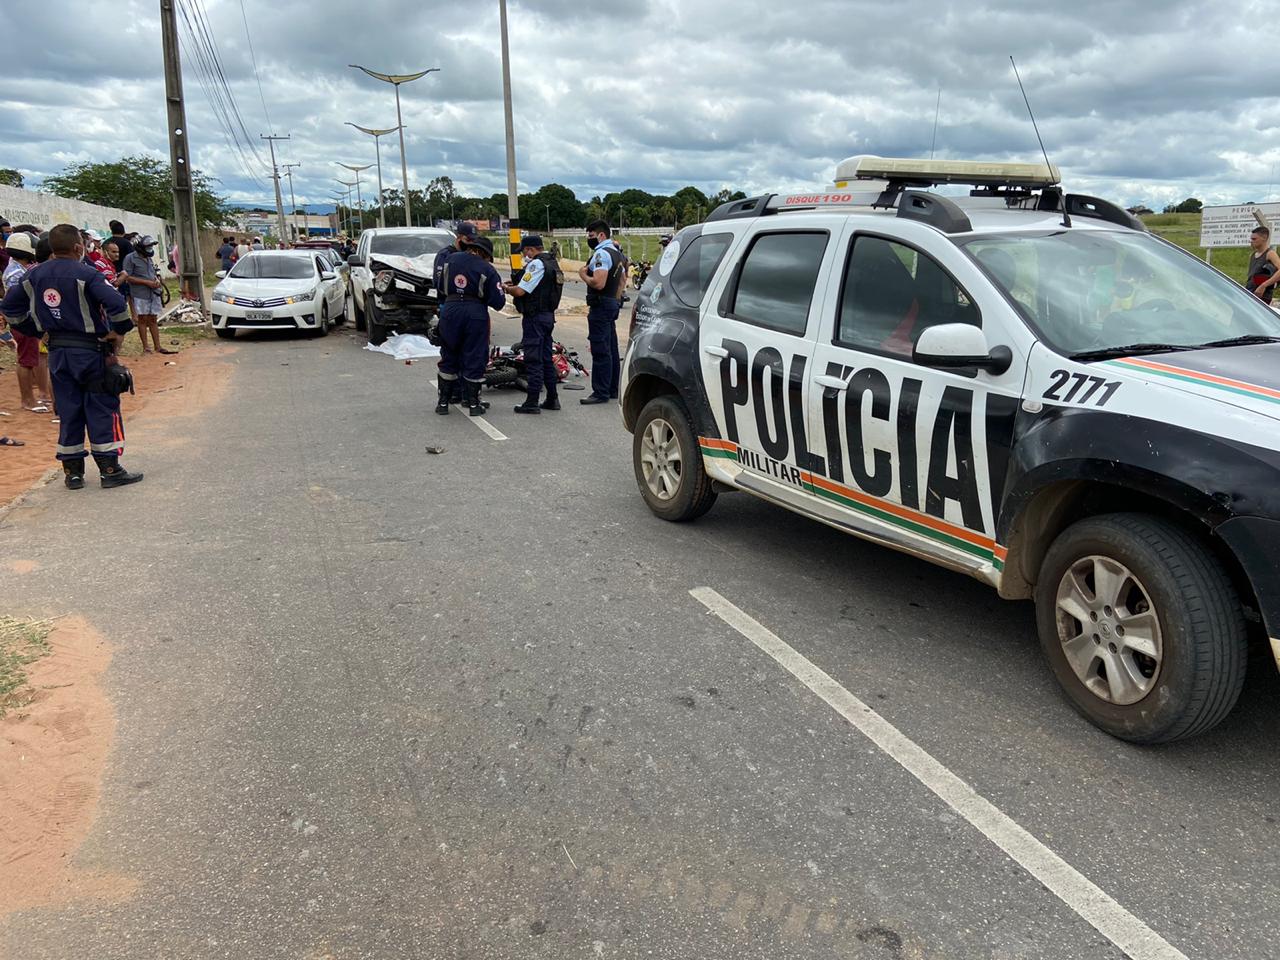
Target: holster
[(115, 380)]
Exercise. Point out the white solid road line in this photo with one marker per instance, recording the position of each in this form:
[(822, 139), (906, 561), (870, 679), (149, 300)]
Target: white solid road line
[(482, 423), (1094, 905)]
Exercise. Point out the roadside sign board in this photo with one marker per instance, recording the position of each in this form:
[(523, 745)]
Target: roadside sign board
[(1231, 226)]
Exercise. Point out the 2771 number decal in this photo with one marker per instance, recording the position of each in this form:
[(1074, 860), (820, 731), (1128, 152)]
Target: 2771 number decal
[(1061, 378)]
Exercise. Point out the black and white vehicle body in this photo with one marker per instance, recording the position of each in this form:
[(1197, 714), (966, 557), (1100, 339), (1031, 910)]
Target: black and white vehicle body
[(391, 280), (1021, 385)]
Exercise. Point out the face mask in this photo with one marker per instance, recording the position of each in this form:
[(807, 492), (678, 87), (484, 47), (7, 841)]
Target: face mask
[(592, 242)]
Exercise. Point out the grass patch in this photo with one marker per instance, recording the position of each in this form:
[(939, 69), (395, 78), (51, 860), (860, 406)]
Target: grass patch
[(22, 643), (1183, 230)]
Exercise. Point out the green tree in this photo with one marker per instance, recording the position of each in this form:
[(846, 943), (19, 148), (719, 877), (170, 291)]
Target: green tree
[(566, 211), (10, 177), (140, 184), (1189, 205)]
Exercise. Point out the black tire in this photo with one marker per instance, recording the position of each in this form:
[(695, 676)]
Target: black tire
[(342, 314), (693, 494), (522, 383), (224, 334), (322, 329), (357, 314), (1201, 628), (376, 332)]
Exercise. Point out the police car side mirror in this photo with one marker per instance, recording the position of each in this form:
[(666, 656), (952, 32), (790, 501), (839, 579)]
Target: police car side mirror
[(960, 346), (355, 260), (221, 274)]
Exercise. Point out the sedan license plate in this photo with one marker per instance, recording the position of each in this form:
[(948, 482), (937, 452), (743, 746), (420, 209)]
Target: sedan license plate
[(257, 314)]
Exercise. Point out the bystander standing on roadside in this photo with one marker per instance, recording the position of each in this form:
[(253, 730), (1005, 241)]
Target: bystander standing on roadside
[(605, 275), (227, 253), (243, 249), (1264, 265), (123, 245), (22, 257), (5, 230), (256, 244), (144, 281)]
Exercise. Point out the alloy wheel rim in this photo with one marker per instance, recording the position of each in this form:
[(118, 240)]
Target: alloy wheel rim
[(1109, 630), (661, 460)]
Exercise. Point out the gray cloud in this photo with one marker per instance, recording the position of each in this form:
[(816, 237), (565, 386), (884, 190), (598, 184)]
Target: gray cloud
[(1135, 101)]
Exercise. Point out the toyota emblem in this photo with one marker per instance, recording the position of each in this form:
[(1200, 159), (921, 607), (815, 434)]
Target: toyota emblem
[(257, 303)]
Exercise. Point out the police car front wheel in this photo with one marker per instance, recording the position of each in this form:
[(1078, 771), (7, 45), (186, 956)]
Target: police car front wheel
[(1142, 627), (668, 465)]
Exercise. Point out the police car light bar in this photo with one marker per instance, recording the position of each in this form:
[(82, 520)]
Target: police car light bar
[(930, 172)]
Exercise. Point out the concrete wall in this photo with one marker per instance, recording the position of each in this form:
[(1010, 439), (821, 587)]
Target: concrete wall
[(44, 210)]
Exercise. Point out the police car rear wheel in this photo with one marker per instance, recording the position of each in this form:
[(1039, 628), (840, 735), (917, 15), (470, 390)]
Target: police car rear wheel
[(1142, 627), (668, 467)]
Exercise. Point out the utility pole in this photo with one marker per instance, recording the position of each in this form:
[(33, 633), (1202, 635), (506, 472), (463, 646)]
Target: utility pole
[(293, 201), (184, 197), (377, 153), (354, 168), (513, 200), (275, 176)]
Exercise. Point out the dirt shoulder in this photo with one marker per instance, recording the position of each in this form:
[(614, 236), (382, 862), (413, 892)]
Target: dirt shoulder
[(154, 375)]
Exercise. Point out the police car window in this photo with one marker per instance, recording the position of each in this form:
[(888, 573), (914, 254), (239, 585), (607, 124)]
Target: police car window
[(777, 279), (1088, 290), (267, 266), (697, 265), (892, 293), (408, 244)]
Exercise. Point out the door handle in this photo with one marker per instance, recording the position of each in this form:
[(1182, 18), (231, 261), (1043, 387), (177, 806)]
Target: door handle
[(715, 351), (834, 383)]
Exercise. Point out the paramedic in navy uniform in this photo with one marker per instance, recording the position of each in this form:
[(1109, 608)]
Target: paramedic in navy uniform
[(85, 318), (469, 287), (466, 231)]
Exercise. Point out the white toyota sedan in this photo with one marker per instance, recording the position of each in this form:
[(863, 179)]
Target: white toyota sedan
[(279, 290)]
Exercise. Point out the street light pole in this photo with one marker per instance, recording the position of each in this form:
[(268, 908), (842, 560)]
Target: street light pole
[(359, 199), (377, 152), (395, 79), (548, 206), (293, 209), (349, 184), (513, 199)]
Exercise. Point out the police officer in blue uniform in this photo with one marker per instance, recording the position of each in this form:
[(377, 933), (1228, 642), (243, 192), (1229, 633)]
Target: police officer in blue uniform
[(85, 318), (469, 287), (465, 231), (605, 275), (536, 295)]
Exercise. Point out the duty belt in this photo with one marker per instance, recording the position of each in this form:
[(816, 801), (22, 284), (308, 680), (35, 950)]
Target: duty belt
[(69, 339), (460, 298)]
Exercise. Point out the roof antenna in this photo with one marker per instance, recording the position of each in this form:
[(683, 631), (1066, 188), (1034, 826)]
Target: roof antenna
[(936, 110), (1066, 217)]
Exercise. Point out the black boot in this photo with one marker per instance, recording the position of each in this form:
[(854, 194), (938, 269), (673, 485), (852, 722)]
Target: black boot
[(114, 475), (444, 391), (475, 406), (530, 404), (73, 473), (553, 399)]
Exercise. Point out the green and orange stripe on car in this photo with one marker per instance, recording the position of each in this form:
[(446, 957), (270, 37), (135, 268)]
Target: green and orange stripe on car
[(1211, 380), (905, 518)]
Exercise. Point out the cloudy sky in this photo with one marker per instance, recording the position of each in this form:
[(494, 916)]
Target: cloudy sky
[(1136, 101)]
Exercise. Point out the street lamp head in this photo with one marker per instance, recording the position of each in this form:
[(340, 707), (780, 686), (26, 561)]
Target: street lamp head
[(370, 130), (394, 78), (354, 168)]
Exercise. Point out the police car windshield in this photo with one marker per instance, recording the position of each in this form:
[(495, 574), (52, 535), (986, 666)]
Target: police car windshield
[(1091, 290), (408, 244), (271, 266)]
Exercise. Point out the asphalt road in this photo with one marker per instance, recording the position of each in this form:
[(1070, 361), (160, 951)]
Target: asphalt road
[(377, 703)]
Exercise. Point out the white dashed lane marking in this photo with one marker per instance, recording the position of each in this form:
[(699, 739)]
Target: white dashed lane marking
[(1073, 888), (481, 422)]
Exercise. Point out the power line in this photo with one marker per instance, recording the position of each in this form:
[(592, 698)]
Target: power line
[(257, 76), (216, 95), (214, 80)]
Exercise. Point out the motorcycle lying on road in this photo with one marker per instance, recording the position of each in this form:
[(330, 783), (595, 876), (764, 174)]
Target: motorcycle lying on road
[(507, 365)]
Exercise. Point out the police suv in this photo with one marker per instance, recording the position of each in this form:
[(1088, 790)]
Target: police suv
[(1022, 385)]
